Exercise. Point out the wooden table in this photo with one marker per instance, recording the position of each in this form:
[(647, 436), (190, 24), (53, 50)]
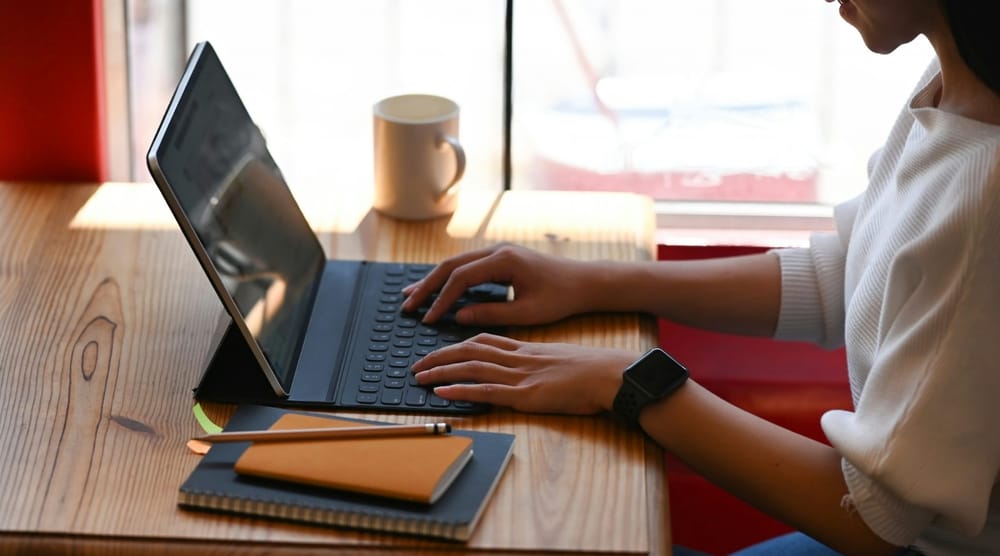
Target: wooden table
[(105, 320)]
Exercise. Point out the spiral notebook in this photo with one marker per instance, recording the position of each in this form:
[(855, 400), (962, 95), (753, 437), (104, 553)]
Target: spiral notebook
[(215, 485)]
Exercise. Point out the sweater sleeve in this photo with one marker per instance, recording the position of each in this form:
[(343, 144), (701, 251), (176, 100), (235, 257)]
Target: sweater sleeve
[(812, 285)]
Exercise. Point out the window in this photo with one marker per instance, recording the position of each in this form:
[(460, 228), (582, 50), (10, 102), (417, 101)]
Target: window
[(309, 73), (730, 114), (731, 105)]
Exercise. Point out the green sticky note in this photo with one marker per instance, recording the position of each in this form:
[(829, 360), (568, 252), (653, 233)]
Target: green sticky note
[(206, 424)]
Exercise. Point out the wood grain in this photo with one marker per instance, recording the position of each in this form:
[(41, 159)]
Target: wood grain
[(105, 325)]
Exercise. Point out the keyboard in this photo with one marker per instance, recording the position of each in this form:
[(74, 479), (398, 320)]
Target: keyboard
[(394, 340)]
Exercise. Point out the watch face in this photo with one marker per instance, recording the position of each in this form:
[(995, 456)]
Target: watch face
[(657, 372)]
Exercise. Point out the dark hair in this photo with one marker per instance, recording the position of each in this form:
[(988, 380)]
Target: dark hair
[(975, 24)]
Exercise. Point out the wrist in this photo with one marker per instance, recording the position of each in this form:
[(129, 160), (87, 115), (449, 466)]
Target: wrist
[(607, 388), (601, 286)]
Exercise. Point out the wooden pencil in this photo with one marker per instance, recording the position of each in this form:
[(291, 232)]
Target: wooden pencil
[(331, 433)]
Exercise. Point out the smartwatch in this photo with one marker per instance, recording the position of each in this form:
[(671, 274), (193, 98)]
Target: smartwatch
[(651, 378)]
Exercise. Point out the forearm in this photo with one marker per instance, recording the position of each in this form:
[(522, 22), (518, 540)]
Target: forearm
[(740, 295), (784, 474)]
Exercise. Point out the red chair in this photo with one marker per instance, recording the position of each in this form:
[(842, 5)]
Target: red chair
[(788, 383)]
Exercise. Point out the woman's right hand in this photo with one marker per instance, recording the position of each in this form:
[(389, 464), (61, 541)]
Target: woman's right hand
[(546, 288)]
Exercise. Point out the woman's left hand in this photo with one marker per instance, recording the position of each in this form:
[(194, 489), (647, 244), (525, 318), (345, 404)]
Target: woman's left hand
[(530, 377)]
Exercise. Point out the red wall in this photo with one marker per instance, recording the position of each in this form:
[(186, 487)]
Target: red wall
[(52, 91)]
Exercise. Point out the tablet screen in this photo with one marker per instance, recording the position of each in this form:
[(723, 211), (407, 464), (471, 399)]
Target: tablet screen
[(251, 237)]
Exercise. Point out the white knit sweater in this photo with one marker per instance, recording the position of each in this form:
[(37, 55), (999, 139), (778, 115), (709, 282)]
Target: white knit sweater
[(910, 284)]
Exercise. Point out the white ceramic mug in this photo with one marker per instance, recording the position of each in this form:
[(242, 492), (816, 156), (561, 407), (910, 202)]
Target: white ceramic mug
[(418, 159)]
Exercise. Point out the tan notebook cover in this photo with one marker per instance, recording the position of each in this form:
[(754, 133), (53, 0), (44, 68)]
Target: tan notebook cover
[(417, 468)]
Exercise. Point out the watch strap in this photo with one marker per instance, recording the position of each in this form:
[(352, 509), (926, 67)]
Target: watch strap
[(629, 402)]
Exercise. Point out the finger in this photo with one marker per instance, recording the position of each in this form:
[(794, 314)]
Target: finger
[(478, 348), (493, 394), (497, 341), (470, 371), (510, 313), (473, 273), (418, 292)]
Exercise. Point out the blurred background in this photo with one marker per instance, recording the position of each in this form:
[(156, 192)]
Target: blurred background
[(761, 113)]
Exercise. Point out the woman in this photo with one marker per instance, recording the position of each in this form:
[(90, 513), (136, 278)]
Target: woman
[(910, 284)]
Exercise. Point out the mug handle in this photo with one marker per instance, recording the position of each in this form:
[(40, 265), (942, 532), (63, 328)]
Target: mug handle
[(456, 147)]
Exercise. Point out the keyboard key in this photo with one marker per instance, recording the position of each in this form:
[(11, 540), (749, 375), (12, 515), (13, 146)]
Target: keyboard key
[(371, 377), (376, 357), (378, 347), (416, 396), (405, 333), (400, 353), (399, 363), (403, 343), (367, 398), (392, 397), (374, 367), (437, 401), (380, 337), (368, 387), (397, 372), (394, 383), (382, 327)]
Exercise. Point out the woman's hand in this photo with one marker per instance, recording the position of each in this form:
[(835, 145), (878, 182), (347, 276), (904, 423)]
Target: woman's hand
[(546, 288), (530, 377)]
